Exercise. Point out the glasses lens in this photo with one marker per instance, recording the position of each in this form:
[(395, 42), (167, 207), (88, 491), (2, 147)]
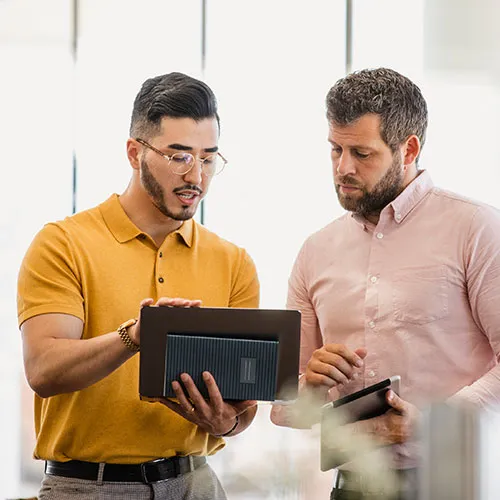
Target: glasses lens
[(213, 165), (181, 162)]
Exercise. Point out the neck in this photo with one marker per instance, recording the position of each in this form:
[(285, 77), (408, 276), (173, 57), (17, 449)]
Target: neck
[(372, 217), (146, 216)]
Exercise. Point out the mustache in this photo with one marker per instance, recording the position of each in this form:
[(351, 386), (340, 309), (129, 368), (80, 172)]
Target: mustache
[(190, 187), (348, 180)]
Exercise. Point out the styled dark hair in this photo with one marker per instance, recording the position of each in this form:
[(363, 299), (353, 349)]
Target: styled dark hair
[(175, 95), (385, 92)]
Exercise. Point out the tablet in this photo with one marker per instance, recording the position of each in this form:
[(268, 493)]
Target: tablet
[(361, 405), (252, 353), (368, 402)]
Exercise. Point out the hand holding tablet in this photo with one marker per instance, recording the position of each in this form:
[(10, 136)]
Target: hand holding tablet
[(367, 403)]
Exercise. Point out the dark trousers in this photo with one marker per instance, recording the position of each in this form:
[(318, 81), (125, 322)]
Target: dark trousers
[(349, 486)]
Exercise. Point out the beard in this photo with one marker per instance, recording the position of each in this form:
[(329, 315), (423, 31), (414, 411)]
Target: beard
[(157, 195), (386, 190)]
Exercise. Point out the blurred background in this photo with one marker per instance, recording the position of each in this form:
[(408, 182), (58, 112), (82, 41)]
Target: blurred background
[(70, 71)]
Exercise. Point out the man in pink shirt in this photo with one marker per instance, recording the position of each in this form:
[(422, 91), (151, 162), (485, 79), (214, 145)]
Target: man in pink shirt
[(406, 283)]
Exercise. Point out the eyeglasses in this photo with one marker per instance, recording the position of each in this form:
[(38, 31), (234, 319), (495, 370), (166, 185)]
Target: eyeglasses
[(182, 163)]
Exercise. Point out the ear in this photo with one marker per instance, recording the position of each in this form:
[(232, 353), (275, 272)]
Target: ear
[(133, 153), (410, 150)]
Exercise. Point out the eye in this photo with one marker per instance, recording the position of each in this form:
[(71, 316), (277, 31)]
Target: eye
[(336, 150), (181, 158), (208, 160), (360, 155)]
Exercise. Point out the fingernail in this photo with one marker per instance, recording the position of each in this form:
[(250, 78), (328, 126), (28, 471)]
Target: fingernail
[(359, 363), (184, 377), (390, 395), (206, 376), (355, 375)]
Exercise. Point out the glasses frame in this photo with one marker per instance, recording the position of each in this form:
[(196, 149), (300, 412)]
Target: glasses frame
[(193, 162)]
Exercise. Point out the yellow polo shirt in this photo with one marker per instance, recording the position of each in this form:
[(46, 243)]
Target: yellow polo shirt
[(98, 266)]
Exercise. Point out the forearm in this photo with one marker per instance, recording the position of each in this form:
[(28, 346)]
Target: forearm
[(68, 365), (306, 410), (484, 392)]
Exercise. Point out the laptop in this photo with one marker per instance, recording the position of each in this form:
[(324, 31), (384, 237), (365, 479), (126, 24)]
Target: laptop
[(253, 354)]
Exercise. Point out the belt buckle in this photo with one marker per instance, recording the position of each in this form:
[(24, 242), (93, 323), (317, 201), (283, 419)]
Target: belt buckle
[(144, 476)]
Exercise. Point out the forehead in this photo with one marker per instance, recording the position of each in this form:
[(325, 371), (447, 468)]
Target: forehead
[(188, 132), (365, 130)]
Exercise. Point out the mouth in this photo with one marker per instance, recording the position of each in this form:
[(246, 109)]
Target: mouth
[(346, 188), (188, 197)]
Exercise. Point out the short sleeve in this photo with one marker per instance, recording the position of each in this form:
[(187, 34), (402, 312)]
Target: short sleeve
[(48, 280)]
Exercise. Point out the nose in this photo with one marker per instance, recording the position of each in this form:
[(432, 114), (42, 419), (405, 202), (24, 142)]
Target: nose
[(194, 176), (344, 165)]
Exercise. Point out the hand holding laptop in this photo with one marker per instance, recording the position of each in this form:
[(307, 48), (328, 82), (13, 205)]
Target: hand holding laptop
[(214, 415)]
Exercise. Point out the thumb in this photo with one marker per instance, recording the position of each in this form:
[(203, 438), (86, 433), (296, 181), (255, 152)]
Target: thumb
[(396, 402), (243, 406), (361, 352)]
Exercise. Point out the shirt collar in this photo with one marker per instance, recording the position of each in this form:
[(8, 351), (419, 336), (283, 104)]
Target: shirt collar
[(405, 202), (123, 229), (413, 194)]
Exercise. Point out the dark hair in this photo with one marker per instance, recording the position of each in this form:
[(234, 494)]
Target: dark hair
[(175, 95), (385, 92)]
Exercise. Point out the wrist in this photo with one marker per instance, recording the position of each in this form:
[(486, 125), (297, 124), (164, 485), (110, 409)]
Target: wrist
[(230, 431), (123, 332)]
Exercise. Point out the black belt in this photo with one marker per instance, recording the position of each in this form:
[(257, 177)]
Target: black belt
[(351, 486), (147, 472)]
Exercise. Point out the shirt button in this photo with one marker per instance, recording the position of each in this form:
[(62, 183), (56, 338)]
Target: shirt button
[(373, 279), (397, 217), (160, 279), (371, 373), (161, 255), (371, 324), (380, 236)]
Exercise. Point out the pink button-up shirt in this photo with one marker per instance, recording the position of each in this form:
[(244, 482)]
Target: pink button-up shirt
[(420, 291)]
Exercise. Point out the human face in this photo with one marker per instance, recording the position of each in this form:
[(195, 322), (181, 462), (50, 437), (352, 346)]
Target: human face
[(367, 174), (178, 196)]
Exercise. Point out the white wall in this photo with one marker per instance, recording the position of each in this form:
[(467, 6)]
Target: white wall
[(35, 108)]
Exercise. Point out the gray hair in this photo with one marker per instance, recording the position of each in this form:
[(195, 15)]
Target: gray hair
[(384, 92)]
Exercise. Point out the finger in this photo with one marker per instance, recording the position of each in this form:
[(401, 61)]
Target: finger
[(318, 380), (184, 403), (361, 352), (331, 366), (341, 350), (243, 406), (214, 394), (396, 402), (177, 302), (171, 301), (194, 394), (146, 302)]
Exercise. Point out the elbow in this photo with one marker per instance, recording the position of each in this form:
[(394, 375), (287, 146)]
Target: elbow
[(40, 385)]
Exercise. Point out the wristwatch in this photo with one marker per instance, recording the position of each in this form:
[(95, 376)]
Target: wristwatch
[(123, 333)]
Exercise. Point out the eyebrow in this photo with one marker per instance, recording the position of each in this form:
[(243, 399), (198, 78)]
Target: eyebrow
[(352, 146), (182, 147)]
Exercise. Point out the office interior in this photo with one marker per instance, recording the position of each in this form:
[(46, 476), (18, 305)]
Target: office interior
[(70, 72)]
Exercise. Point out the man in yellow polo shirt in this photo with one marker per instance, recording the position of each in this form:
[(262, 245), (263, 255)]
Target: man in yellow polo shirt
[(81, 286)]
